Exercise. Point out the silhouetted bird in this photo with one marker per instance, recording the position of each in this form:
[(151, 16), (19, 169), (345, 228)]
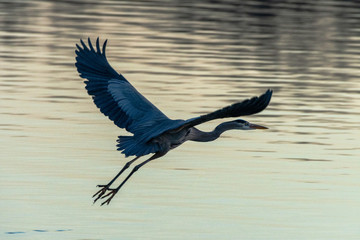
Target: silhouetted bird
[(153, 132)]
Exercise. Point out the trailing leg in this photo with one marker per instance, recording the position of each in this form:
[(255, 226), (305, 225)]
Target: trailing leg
[(104, 188), (113, 192)]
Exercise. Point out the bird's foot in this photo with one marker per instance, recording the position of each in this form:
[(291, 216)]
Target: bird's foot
[(110, 196), (101, 192)]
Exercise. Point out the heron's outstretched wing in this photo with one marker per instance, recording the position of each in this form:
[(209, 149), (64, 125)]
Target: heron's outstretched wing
[(246, 107), (113, 94)]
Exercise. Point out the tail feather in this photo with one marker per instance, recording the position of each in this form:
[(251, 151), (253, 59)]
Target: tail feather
[(129, 146)]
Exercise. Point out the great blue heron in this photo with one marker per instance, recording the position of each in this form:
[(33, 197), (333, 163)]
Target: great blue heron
[(153, 132)]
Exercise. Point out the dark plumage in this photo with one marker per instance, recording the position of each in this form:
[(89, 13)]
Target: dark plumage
[(153, 131)]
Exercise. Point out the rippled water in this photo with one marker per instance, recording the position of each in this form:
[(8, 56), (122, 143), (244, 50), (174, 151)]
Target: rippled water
[(298, 180)]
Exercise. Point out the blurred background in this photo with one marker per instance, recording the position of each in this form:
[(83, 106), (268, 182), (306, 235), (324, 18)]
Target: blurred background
[(297, 180)]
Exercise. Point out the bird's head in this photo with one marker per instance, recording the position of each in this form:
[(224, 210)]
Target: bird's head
[(245, 125)]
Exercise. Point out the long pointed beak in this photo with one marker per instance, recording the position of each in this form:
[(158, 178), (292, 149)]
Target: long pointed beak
[(255, 126)]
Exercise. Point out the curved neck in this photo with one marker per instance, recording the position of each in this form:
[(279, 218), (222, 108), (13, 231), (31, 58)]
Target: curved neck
[(200, 136)]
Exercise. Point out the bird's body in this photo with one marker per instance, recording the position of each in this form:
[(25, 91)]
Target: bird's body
[(153, 132), (172, 139)]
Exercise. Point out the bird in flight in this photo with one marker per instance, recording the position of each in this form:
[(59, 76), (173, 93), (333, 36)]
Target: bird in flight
[(153, 132)]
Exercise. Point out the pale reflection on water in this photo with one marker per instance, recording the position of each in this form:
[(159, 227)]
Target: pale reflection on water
[(298, 180)]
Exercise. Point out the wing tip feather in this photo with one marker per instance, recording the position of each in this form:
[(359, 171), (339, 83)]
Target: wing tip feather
[(104, 47)]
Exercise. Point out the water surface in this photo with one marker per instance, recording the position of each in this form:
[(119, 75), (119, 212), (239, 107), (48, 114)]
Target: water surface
[(298, 180)]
